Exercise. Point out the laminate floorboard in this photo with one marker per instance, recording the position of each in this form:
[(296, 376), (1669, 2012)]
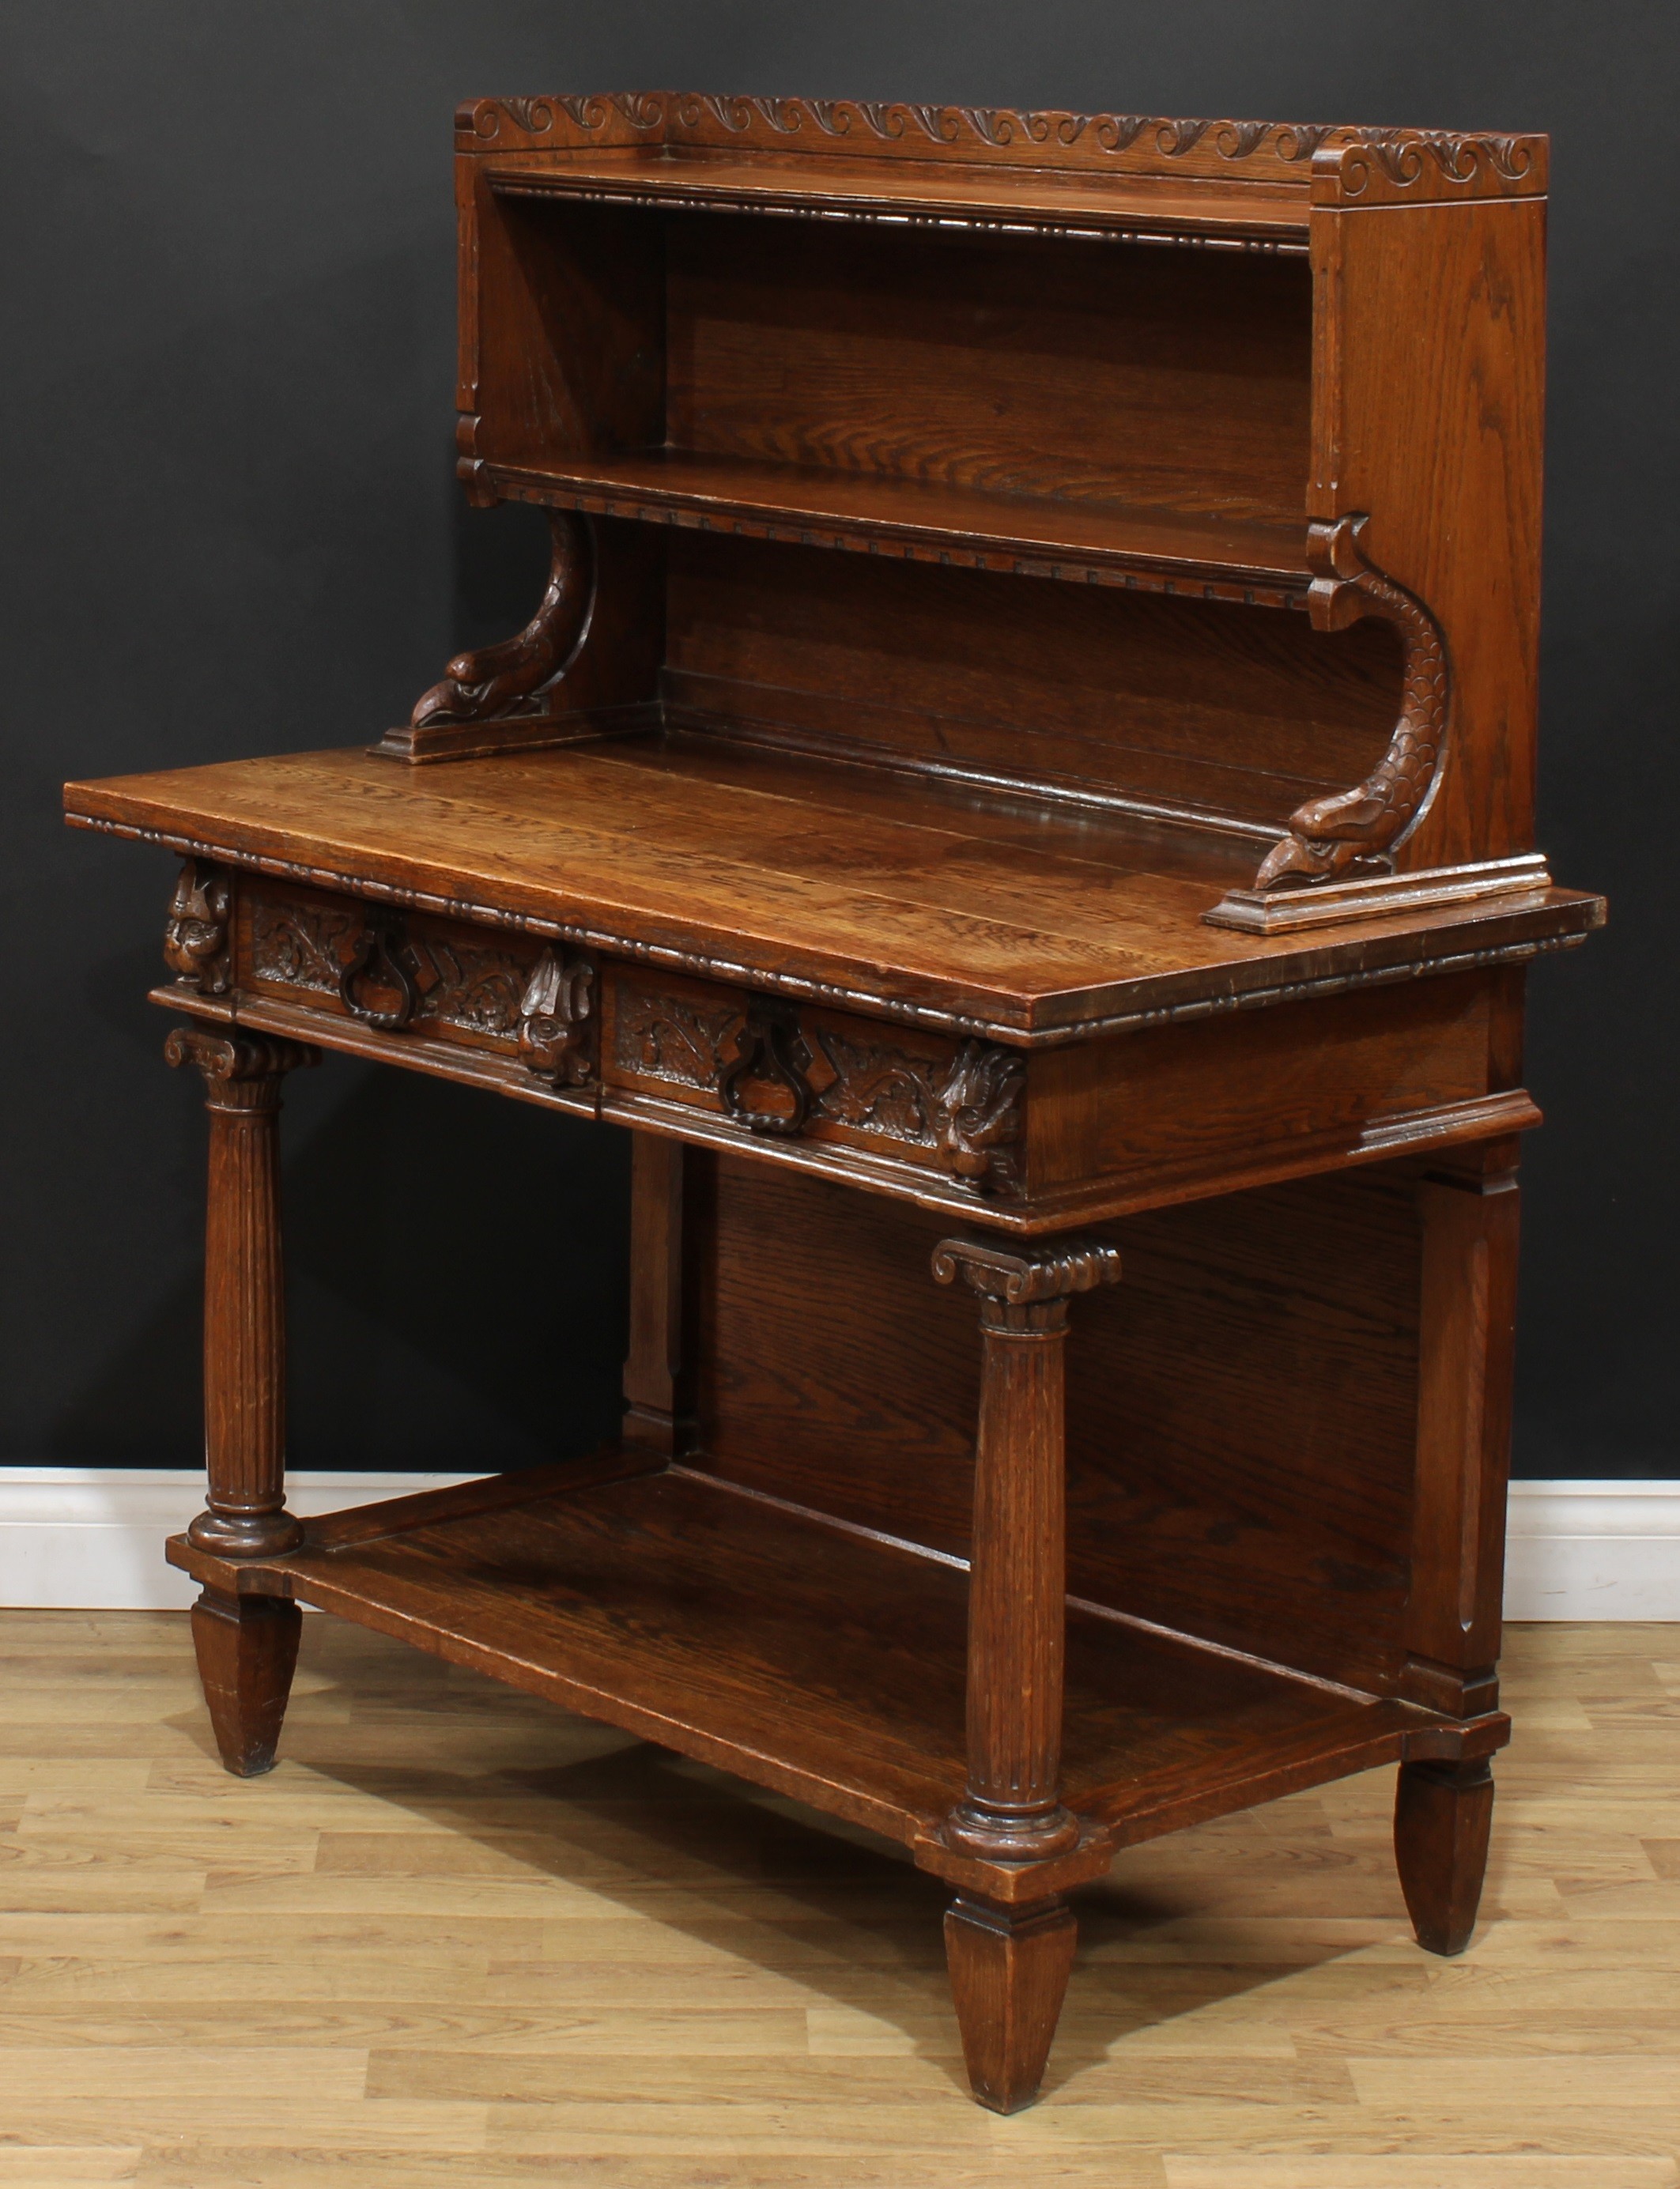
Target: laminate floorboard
[(459, 1937)]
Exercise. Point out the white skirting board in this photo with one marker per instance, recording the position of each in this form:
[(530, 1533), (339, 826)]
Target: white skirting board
[(90, 1538)]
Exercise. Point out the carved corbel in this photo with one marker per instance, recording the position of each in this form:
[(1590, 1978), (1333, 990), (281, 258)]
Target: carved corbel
[(1357, 830), (195, 940), (514, 683), (556, 1019), (979, 1115)]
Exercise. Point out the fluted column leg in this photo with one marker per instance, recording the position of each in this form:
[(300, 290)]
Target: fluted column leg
[(1010, 1965), (246, 1644), (245, 1512), (1011, 1811)]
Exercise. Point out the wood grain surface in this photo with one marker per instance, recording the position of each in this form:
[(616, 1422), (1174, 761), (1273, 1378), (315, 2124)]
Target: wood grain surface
[(1028, 920), (456, 1937)]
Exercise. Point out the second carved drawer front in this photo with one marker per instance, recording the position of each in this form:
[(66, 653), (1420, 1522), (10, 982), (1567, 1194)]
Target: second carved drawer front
[(785, 1072)]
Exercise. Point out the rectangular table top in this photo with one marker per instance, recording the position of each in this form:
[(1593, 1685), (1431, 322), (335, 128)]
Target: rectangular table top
[(1021, 917)]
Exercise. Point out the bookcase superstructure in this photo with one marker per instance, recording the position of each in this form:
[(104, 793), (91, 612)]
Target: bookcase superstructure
[(1195, 359)]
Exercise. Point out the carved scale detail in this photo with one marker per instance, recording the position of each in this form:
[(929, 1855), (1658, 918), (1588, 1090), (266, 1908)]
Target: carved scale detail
[(1359, 829), (514, 680), (196, 939)]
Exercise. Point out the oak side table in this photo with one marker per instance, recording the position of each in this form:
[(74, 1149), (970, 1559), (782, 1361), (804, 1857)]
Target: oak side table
[(1018, 794)]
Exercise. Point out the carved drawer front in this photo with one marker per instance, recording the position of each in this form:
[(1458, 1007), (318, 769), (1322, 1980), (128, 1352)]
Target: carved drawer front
[(411, 973), (782, 1071)]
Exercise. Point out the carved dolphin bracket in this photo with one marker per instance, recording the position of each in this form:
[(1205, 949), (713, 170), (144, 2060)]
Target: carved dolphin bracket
[(513, 686), (1336, 863), (1357, 830)]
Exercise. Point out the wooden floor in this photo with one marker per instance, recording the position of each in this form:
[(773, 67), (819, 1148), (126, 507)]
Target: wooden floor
[(458, 1937)]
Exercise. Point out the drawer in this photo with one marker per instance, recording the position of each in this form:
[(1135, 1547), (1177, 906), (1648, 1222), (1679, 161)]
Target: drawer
[(413, 973), (783, 1071)]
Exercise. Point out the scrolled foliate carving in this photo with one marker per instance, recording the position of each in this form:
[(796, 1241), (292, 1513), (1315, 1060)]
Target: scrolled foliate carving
[(980, 1105), (1376, 161), (1404, 157), (300, 945), (1359, 829), (467, 983), (1162, 142), (657, 1037), (879, 1087), (568, 115), (511, 680), (556, 1019), (195, 940)]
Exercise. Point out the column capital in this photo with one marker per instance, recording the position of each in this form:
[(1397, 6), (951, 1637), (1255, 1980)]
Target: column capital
[(245, 1068), (1030, 1277)]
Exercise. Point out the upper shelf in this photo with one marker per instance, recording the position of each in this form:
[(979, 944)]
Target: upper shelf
[(1232, 215), (1212, 555)]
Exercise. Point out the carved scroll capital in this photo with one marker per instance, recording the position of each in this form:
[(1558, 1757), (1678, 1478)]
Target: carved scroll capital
[(195, 940), (511, 680), (979, 1114), (241, 1071), (1029, 1289), (1358, 830), (556, 1019)]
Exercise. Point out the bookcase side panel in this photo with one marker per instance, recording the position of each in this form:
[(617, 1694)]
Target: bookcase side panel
[(1429, 332)]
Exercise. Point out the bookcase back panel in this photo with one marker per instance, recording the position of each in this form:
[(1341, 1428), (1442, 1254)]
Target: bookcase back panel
[(1242, 1408), (1238, 711), (1091, 371)]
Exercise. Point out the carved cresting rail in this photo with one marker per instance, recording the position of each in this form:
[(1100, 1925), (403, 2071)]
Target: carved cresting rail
[(1424, 163)]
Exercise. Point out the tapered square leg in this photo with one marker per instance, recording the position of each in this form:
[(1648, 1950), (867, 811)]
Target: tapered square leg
[(248, 1650), (1442, 1814), (1008, 1976)]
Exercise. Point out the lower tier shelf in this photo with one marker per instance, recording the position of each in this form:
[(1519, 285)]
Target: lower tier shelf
[(812, 1658)]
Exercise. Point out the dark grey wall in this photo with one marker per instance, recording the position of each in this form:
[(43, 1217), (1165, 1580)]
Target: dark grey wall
[(233, 529)]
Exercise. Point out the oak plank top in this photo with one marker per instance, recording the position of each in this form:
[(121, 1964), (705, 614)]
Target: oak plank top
[(1023, 918)]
